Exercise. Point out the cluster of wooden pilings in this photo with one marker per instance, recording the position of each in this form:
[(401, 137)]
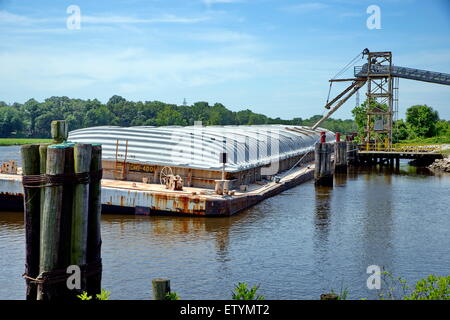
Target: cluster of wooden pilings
[(62, 208), (345, 154), (389, 160)]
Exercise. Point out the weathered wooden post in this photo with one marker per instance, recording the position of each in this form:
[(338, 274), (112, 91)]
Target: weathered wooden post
[(350, 154), (43, 168), (340, 155), (323, 173), (94, 240), (80, 209), (50, 222), (30, 166), (59, 131), (66, 215), (161, 287)]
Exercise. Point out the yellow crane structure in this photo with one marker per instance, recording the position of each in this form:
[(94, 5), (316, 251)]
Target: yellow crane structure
[(382, 78)]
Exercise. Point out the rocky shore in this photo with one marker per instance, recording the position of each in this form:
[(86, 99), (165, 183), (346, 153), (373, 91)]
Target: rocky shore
[(441, 164)]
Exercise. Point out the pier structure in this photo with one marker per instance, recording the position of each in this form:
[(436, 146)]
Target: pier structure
[(390, 155)]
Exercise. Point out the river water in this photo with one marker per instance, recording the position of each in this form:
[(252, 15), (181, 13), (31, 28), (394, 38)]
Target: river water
[(296, 245)]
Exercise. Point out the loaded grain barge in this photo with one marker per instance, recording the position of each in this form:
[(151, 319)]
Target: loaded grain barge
[(194, 170)]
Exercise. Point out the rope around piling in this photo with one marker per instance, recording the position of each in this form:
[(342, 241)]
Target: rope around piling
[(61, 275), (53, 180)]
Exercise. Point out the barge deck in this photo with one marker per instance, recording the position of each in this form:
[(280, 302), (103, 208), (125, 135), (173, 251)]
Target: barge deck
[(147, 199)]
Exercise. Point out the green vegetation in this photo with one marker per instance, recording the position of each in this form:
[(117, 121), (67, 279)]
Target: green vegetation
[(172, 296), (103, 295), (241, 292), (396, 288), (422, 124), (19, 141), (393, 288), (342, 295), (32, 119), (360, 115), (429, 288)]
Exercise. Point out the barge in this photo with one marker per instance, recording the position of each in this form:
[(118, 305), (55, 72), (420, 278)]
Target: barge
[(218, 170)]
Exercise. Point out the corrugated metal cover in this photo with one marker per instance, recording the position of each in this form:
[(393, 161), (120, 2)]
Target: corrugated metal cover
[(200, 147)]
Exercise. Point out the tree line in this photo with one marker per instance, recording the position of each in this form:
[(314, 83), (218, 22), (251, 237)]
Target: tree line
[(32, 119)]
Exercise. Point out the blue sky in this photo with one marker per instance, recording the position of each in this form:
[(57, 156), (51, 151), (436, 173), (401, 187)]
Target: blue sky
[(272, 56)]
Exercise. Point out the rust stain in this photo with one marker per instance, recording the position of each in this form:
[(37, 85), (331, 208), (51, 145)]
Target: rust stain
[(177, 203)]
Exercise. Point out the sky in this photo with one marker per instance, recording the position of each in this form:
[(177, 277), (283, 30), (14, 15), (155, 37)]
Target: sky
[(272, 56)]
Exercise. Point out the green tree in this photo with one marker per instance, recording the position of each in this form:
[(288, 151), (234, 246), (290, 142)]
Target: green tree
[(43, 124), (168, 116), (422, 120), (401, 131), (32, 111), (360, 117), (10, 121), (100, 116)]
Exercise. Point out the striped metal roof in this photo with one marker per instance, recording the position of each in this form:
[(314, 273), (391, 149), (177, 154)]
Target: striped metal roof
[(199, 147)]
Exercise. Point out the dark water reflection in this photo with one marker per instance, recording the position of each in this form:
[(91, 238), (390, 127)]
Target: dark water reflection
[(296, 245)]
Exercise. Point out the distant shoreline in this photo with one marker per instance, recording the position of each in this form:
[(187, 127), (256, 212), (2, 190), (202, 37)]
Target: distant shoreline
[(21, 141)]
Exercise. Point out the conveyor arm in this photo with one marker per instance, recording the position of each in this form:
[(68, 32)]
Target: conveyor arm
[(355, 86)]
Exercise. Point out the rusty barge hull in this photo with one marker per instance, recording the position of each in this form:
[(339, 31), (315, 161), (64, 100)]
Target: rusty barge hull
[(126, 197)]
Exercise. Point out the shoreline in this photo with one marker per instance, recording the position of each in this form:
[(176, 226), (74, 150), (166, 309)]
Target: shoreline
[(8, 142), (441, 164)]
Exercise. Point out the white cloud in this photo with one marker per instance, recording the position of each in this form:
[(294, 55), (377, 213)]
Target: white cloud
[(11, 18), (306, 7), (53, 71), (221, 36), (211, 2), (15, 19), (168, 18)]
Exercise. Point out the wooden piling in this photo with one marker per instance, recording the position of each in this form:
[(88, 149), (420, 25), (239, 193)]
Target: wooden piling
[(94, 240), (329, 296), (30, 166), (59, 131), (43, 167), (340, 157), (62, 215), (66, 216), (82, 163), (50, 220), (323, 173), (352, 153), (161, 287)]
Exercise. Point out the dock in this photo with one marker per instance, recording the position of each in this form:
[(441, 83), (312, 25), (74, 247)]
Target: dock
[(384, 154)]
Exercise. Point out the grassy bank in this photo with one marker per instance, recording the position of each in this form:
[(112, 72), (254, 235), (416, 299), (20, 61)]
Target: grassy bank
[(442, 139), (438, 139), (17, 142)]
